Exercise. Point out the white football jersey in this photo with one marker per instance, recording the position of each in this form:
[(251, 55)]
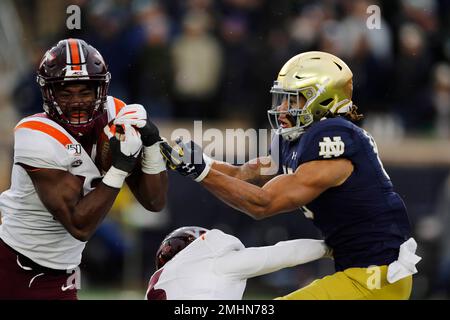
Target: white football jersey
[(216, 266), (27, 226)]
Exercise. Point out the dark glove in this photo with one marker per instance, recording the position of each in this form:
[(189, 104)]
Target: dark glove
[(186, 158), (124, 154), (149, 133)]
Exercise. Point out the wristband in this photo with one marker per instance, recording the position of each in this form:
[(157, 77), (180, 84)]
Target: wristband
[(114, 177), (152, 160), (208, 160), (204, 172)]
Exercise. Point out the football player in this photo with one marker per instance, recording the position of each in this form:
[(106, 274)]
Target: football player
[(59, 194), (330, 168), (194, 263)]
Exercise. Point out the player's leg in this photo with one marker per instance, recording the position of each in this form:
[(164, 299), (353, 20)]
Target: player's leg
[(354, 284), (6, 269), (374, 279), (21, 280), (337, 286)]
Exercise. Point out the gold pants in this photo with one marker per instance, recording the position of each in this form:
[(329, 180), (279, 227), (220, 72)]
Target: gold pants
[(355, 284)]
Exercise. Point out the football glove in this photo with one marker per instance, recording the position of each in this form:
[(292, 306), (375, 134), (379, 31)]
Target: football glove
[(136, 115), (125, 147), (187, 159)]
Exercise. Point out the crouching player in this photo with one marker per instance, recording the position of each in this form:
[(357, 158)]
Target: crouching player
[(201, 264)]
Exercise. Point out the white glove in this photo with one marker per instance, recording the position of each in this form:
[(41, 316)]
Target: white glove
[(136, 115), (125, 149), (130, 139), (133, 114)]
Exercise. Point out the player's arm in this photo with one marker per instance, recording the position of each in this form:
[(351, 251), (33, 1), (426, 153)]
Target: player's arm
[(252, 262), (149, 189), (149, 182), (62, 193), (283, 193), (258, 171)]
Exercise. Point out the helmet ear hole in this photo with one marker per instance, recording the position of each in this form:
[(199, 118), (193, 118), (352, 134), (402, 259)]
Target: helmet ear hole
[(321, 112), (326, 102)]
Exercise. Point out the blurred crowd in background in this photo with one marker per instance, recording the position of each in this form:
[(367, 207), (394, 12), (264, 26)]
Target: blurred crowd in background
[(215, 60)]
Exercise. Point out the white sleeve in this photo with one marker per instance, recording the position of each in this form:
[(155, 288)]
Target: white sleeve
[(37, 149), (252, 262)]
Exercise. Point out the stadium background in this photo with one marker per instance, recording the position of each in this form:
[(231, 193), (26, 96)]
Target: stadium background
[(215, 61)]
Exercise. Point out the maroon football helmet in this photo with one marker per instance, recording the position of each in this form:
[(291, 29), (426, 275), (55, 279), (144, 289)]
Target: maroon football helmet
[(175, 242), (73, 61)]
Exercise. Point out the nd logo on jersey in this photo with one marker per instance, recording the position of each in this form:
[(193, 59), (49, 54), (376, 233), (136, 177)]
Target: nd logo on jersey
[(330, 148)]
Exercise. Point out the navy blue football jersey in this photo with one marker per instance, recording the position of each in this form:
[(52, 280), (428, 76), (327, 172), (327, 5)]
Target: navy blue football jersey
[(363, 220)]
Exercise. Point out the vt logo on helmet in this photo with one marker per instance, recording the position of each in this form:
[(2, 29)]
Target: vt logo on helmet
[(309, 87), (74, 80)]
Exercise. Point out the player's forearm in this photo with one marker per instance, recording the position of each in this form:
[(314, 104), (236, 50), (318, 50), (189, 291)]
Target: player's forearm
[(90, 211), (249, 172), (297, 251), (152, 191), (238, 194), (252, 262), (227, 169), (290, 253), (61, 193)]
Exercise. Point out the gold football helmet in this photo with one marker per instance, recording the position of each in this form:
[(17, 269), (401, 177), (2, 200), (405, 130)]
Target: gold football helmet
[(309, 87)]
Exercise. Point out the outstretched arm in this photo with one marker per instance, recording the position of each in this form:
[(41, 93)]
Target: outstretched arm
[(258, 171), (252, 262), (281, 194)]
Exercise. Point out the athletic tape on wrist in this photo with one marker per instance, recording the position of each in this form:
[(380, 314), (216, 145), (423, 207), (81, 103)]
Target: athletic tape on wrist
[(204, 173), (152, 160), (115, 177), (208, 160)]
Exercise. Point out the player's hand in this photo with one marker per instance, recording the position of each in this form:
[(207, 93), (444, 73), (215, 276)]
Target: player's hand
[(136, 115), (149, 134), (186, 158), (125, 147)]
